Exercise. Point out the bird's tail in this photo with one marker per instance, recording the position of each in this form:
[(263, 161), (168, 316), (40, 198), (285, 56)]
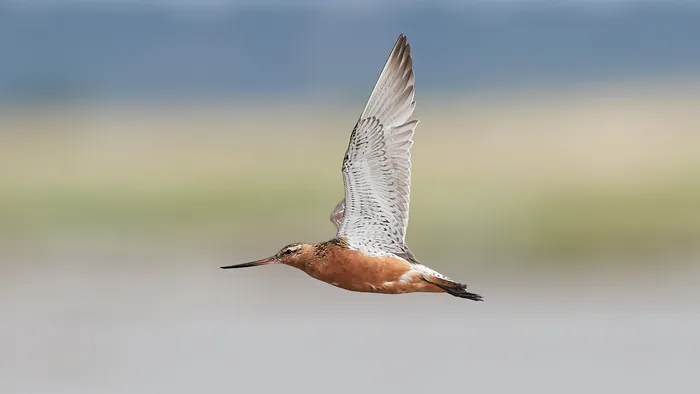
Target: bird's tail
[(453, 288)]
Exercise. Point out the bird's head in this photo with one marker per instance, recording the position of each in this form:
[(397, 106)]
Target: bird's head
[(296, 255)]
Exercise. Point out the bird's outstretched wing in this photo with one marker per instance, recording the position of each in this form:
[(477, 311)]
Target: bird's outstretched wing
[(377, 163)]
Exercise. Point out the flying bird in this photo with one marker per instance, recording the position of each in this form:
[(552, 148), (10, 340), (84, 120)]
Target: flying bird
[(369, 252)]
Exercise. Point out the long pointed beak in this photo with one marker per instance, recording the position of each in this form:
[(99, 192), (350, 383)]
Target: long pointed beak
[(269, 260)]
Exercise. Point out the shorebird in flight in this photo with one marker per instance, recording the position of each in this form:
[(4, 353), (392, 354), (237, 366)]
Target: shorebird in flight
[(369, 252)]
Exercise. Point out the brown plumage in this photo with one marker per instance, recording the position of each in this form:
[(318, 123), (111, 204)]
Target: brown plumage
[(353, 270)]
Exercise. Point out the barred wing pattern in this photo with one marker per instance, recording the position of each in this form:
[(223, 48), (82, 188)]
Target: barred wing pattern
[(377, 163)]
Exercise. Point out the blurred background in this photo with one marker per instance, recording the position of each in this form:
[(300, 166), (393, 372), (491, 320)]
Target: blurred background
[(556, 170)]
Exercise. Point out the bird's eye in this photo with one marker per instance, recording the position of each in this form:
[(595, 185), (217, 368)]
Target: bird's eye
[(287, 251)]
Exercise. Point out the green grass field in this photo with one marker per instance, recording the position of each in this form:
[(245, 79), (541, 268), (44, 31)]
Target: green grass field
[(603, 173)]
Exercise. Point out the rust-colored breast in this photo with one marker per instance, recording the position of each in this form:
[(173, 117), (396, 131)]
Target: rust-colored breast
[(356, 271)]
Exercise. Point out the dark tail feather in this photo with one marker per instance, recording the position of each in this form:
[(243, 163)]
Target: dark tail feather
[(456, 289), (462, 292)]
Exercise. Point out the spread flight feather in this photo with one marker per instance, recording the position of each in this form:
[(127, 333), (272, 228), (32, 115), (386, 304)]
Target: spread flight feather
[(377, 165)]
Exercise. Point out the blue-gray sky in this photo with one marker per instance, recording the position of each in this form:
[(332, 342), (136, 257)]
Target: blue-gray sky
[(124, 50)]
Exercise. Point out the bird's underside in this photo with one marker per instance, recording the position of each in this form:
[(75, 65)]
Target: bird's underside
[(356, 271)]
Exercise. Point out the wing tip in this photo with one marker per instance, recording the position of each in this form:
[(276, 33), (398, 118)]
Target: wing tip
[(402, 49), (402, 37)]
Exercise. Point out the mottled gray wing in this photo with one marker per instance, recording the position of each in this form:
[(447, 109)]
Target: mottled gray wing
[(377, 163)]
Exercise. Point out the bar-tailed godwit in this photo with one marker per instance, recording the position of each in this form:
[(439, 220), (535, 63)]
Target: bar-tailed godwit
[(369, 253)]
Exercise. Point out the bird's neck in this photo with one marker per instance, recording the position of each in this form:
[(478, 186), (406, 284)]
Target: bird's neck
[(316, 255)]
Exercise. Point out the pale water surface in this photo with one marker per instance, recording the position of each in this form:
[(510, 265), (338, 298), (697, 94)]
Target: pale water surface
[(127, 327)]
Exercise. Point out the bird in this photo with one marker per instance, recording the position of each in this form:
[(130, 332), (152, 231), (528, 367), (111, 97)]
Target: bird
[(369, 252)]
